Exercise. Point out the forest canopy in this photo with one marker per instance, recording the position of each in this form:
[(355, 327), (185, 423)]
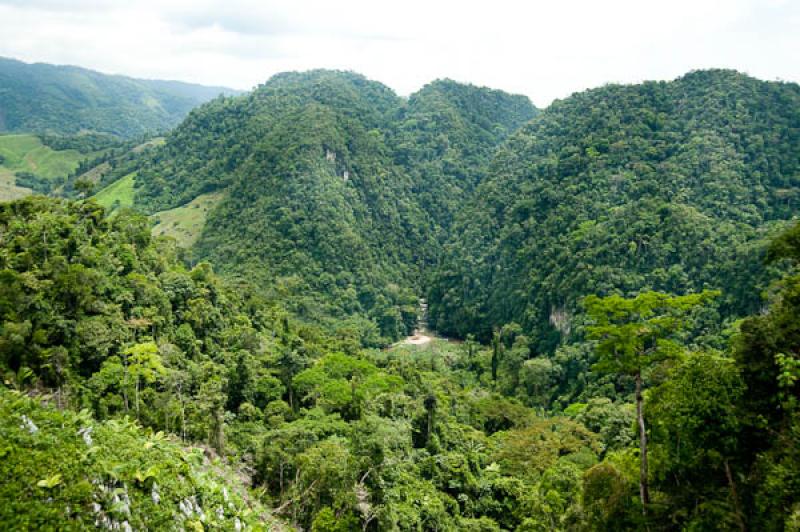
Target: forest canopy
[(612, 282)]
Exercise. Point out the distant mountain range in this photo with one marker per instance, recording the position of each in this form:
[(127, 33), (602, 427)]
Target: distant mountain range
[(44, 98)]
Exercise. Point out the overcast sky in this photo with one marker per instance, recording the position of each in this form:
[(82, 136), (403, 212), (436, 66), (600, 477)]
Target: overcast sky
[(545, 50)]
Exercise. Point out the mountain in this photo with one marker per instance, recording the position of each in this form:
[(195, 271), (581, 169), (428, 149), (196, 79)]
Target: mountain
[(329, 183), (663, 185), (622, 267), (445, 138), (43, 98)]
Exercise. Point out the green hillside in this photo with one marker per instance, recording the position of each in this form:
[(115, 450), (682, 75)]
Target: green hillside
[(617, 275), (44, 98), (25, 163), (185, 224), (26, 153), (336, 188), (445, 138), (669, 186), (117, 194)]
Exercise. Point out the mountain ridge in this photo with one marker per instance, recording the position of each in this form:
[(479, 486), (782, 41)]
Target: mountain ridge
[(66, 99), (325, 173), (719, 142), (629, 318)]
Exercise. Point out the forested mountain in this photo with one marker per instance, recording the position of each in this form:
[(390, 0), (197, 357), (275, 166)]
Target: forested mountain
[(445, 137), (333, 185), (43, 98), (620, 270), (663, 185)]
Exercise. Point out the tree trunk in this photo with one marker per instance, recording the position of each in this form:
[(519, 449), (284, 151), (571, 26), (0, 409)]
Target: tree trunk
[(495, 356), (125, 383), (735, 497), (644, 491), (183, 411)]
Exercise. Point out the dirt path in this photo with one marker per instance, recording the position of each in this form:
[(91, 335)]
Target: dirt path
[(417, 339), (420, 336)]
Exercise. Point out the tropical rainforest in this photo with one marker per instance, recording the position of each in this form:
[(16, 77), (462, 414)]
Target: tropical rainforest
[(322, 306)]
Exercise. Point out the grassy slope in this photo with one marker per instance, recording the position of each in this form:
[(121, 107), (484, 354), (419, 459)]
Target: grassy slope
[(152, 143), (8, 189), (186, 223), (26, 153), (57, 477), (120, 190), (96, 174)]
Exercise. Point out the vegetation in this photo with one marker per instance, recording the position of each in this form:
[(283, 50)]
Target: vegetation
[(185, 224), (622, 273), (97, 311), (672, 186), (27, 164), (67, 471), (632, 336), (42, 98), (117, 194), (326, 183)]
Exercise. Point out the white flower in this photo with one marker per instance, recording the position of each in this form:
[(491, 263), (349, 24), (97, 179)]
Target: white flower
[(237, 525), (154, 494)]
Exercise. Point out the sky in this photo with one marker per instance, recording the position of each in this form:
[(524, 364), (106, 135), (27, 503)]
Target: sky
[(543, 49)]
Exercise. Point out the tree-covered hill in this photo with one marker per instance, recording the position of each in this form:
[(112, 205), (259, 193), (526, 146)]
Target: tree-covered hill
[(445, 138), (334, 186), (596, 258), (662, 185), (43, 98)]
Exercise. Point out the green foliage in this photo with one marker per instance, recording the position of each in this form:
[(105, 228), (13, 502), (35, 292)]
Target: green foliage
[(766, 352), (338, 204), (668, 186), (67, 471), (351, 187), (85, 142), (97, 310), (634, 333), (51, 99), (695, 420)]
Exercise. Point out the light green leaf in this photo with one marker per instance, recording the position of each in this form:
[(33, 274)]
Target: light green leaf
[(50, 482)]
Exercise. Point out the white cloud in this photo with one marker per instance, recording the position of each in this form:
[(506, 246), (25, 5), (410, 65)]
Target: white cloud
[(546, 50)]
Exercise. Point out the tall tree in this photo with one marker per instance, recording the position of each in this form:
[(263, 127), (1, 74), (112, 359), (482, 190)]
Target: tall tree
[(632, 335)]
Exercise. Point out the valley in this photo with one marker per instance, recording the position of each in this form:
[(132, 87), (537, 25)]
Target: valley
[(237, 303)]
